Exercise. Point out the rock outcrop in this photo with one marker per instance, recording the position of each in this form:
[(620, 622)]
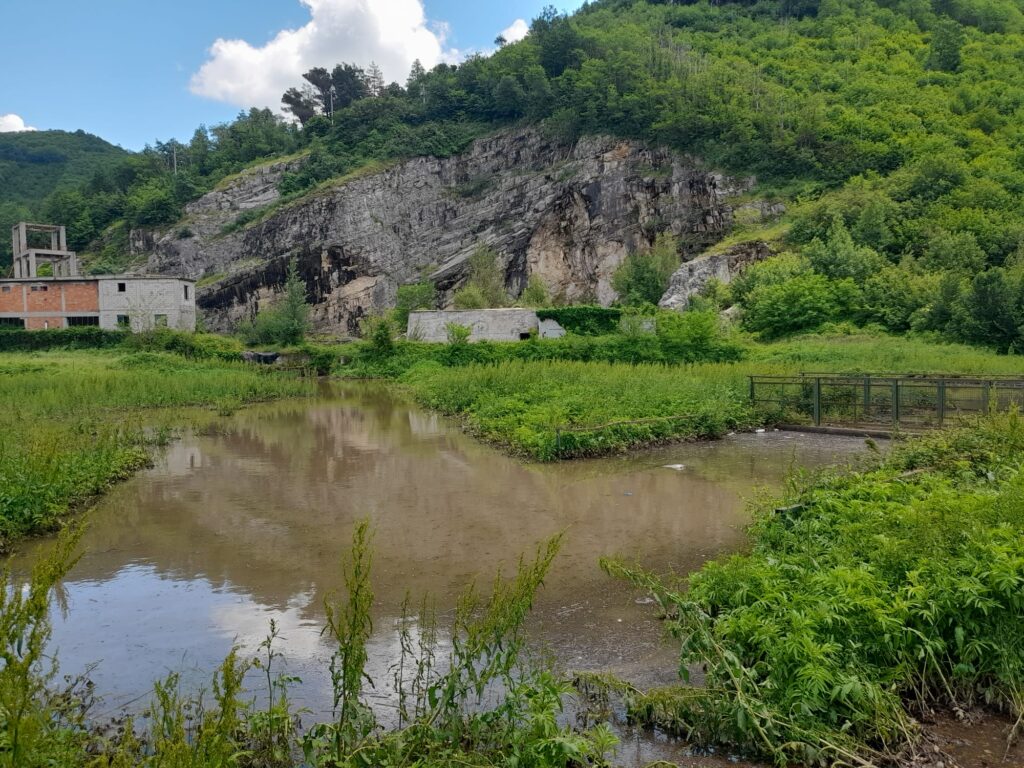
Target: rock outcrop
[(570, 214), (691, 278)]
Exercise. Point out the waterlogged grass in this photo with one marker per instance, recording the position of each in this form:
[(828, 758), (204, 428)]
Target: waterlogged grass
[(521, 405), (523, 397), (72, 423), (867, 599)]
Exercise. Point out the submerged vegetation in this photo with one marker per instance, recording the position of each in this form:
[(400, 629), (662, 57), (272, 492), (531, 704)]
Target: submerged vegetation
[(72, 423), (867, 600)]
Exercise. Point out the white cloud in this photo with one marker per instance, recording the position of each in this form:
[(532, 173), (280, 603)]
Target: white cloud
[(12, 123), (392, 33), (516, 31)]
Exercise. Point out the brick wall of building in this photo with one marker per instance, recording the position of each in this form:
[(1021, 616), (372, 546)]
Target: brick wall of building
[(82, 297), (12, 298)]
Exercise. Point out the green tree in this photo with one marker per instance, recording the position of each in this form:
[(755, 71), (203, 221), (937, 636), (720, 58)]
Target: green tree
[(944, 50), (535, 294), (412, 297), (800, 303), (287, 320), (989, 311), (485, 286), (643, 277), (839, 257)]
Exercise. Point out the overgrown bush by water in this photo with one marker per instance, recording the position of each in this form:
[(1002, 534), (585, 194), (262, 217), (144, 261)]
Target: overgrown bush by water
[(868, 599)]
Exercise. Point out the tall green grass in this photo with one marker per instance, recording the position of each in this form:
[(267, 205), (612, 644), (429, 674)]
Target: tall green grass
[(868, 599), (72, 423), (523, 405), (550, 408)]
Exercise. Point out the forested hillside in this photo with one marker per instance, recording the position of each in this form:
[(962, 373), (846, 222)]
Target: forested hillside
[(35, 163), (892, 131)]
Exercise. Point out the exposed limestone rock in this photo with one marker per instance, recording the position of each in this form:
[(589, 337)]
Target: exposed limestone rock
[(692, 276), (568, 213), (140, 241)]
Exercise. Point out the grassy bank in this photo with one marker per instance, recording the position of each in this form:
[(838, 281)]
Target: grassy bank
[(549, 399), (73, 422), (867, 599)]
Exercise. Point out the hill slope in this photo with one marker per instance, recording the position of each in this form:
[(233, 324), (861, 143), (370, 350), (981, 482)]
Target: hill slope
[(35, 163), (891, 128)]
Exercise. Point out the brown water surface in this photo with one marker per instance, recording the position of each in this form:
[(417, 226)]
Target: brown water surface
[(230, 530)]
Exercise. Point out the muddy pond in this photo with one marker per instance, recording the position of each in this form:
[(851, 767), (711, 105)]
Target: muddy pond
[(232, 529)]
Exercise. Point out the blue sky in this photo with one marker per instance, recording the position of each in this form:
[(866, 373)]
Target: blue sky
[(133, 71)]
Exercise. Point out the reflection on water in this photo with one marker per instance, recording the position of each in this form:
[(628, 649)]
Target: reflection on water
[(233, 529)]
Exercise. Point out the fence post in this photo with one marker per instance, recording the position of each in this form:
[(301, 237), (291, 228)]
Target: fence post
[(558, 441), (867, 397), (896, 403), (817, 401), (988, 398), (752, 399), (942, 401)]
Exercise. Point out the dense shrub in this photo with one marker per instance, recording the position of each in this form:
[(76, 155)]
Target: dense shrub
[(87, 337), (410, 298), (643, 277), (196, 346), (867, 598), (798, 304), (287, 321), (584, 320)]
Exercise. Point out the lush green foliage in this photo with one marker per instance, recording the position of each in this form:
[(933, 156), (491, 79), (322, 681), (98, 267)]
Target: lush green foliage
[(643, 277), (287, 320), (584, 319), (17, 340), (34, 164), (412, 297), (894, 127), (867, 598), (485, 286), (72, 423), (521, 404), (690, 337)]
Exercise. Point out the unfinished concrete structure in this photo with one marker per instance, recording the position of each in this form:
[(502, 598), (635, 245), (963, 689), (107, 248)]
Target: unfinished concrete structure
[(513, 324), (29, 256), (65, 299)]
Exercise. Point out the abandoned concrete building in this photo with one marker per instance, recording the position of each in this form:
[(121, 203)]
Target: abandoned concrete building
[(46, 290), (512, 324)]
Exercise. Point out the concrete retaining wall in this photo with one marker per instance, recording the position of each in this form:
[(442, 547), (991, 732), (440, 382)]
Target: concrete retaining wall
[(484, 324)]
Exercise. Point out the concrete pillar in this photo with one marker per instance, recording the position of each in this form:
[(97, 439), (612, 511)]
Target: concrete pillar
[(22, 237), (32, 266), (63, 239)]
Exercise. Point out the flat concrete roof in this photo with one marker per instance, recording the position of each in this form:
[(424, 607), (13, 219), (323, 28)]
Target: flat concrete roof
[(92, 278)]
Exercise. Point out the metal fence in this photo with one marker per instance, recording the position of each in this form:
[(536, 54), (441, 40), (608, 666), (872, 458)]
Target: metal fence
[(884, 400)]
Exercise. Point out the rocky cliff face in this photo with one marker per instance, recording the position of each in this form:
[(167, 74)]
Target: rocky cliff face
[(692, 276), (570, 214)]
